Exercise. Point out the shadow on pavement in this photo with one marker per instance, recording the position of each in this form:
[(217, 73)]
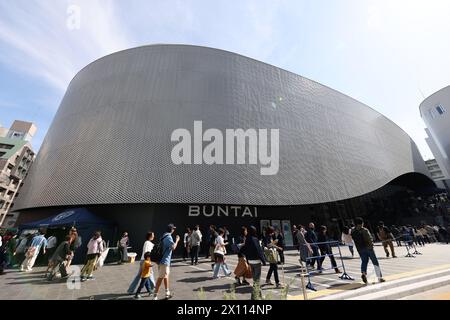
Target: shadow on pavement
[(110, 296), (194, 280)]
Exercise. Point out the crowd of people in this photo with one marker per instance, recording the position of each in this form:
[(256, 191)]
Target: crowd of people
[(252, 249)]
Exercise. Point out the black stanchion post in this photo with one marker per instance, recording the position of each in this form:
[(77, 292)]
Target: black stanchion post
[(415, 250), (409, 255), (345, 275), (309, 285)]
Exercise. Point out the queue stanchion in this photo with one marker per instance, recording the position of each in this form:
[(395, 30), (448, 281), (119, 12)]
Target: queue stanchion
[(302, 279), (345, 275), (409, 254), (309, 285), (415, 250)]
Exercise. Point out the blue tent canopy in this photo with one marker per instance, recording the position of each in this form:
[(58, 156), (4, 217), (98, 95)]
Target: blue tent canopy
[(78, 217)]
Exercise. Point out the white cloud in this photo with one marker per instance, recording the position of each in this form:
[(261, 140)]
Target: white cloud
[(38, 41)]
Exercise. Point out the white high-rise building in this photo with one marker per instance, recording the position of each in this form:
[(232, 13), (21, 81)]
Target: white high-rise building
[(435, 112)]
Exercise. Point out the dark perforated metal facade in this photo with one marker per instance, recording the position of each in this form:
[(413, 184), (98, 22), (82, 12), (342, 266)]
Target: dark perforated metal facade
[(110, 139)]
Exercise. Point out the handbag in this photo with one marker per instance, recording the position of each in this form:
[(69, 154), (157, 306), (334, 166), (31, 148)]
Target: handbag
[(271, 255), (241, 268), (248, 273)]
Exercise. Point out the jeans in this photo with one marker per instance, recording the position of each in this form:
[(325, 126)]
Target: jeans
[(136, 279), (28, 263), (273, 268), (144, 282), (256, 274), (123, 254), (324, 251), (365, 255), (223, 266), (315, 253), (185, 251), (389, 243), (194, 254), (351, 250), (281, 254)]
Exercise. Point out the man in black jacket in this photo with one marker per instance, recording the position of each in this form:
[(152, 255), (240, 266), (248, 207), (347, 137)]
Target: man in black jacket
[(311, 238), (255, 257)]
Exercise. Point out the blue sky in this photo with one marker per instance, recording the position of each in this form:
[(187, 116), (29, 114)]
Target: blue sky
[(388, 54)]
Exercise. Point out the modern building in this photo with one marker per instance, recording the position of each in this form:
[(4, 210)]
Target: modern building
[(120, 145), (16, 157), (435, 112), (436, 174)]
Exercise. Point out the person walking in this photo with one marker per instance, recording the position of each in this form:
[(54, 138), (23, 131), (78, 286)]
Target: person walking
[(347, 240), (57, 260), (52, 243), (226, 237), (10, 250), (271, 249), (212, 243), (303, 246), (241, 268), (219, 255), (418, 237), (145, 277), (280, 244), (122, 247), (196, 240), (32, 253), (95, 248), (397, 235), (186, 243), (168, 246), (21, 248), (255, 258), (386, 237), (294, 236), (311, 238), (146, 248), (325, 249), (75, 243), (364, 245)]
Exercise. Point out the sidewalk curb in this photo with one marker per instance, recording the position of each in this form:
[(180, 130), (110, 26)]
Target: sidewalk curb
[(408, 285)]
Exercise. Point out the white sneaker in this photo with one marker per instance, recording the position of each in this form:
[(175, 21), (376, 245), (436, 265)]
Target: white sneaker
[(155, 297), (168, 294)]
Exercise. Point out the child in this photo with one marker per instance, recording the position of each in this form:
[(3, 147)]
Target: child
[(145, 276)]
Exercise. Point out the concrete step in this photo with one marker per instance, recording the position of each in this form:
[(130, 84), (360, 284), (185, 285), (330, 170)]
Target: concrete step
[(396, 289)]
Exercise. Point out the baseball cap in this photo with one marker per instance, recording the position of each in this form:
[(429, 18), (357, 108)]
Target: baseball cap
[(171, 226)]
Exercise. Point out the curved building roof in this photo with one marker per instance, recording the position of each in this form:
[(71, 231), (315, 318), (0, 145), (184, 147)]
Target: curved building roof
[(110, 141)]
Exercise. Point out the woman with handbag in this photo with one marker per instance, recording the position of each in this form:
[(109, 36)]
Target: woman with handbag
[(270, 251), (219, 256), (95, 248), (242, 269)]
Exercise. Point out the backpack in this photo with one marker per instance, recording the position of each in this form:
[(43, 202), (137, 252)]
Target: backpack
[(271, 255), (158, 251), (357, 238)]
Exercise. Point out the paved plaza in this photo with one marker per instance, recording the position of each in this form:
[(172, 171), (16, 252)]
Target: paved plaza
[(196, 283)]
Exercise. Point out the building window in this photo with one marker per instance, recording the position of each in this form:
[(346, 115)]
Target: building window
[(6, 146), (440, 109), (432, 113)]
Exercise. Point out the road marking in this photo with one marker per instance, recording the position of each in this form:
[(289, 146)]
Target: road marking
[(354, 286)]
